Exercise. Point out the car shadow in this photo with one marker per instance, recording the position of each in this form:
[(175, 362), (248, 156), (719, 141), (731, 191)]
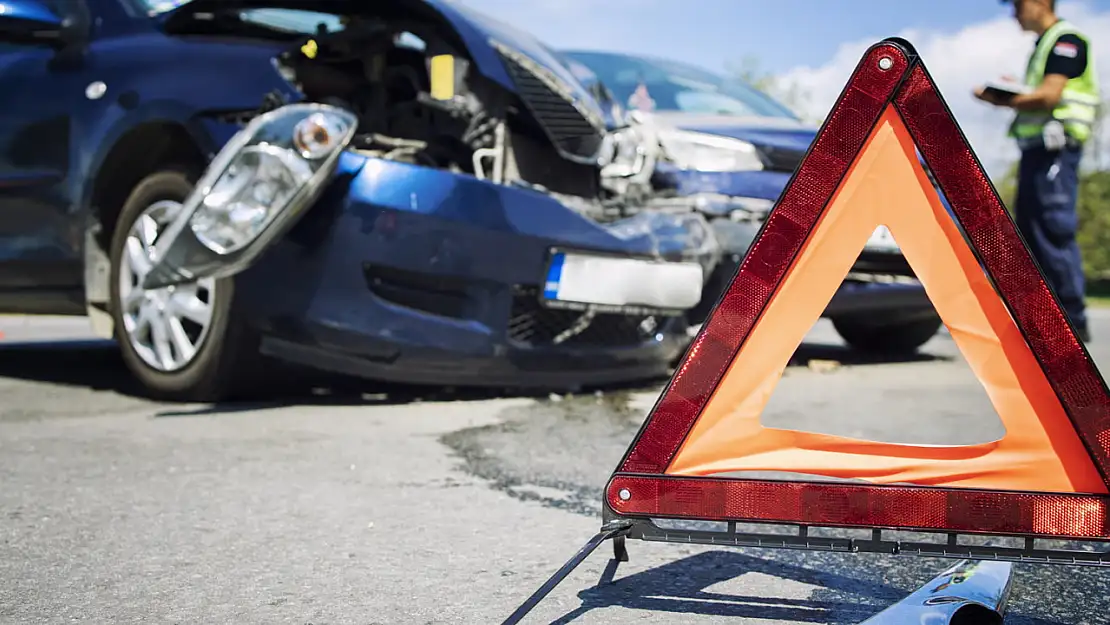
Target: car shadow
[(810, 354), (97, 365), (685, 586)]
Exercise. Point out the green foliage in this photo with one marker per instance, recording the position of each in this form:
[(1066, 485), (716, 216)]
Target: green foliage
[(1094, 222), (748, 70), (1007, 187), (794, 97)]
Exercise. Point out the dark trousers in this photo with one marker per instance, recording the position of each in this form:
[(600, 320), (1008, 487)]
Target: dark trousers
[(1048, 187)]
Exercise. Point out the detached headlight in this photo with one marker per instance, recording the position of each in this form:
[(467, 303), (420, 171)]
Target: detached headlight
[(705, 152), (262, 178), (253, 191)]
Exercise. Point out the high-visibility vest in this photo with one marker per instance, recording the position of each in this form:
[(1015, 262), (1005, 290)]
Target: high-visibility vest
[(1079, 104)]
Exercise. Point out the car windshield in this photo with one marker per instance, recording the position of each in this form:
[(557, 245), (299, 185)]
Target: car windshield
[(658, 85), (290, 20), (154, 7)]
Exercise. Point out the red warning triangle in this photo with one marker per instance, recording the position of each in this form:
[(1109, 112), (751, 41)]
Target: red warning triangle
[(1048, 476)]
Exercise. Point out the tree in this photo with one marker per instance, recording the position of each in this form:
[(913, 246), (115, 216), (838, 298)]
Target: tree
[(1007, 187), (749, 69), (1094, 223)]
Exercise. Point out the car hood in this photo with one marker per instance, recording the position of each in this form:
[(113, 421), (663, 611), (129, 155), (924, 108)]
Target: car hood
[(770, 132), (477, 31)]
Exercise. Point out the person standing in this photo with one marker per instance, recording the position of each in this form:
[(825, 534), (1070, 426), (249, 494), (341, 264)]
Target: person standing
[(1054, 119)]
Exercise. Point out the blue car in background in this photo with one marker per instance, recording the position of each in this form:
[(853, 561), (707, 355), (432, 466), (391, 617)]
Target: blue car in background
[(402, 190), (734, 148)]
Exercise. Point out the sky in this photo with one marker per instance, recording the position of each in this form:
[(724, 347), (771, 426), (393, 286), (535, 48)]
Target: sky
[(813, 45)]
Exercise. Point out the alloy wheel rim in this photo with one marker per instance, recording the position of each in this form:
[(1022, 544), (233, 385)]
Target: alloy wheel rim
[(166, 326)]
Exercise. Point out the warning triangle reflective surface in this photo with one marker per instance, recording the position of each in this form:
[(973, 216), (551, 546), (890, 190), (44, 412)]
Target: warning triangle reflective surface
[(1046, 477)]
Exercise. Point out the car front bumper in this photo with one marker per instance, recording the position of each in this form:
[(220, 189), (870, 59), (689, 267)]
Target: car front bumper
[(415, 275)]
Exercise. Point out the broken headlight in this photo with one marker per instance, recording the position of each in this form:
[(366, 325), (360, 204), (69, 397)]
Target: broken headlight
[(253, 191), (704, 152)]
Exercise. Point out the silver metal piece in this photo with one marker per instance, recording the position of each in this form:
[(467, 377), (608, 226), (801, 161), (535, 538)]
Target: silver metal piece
[(624, 494), (497, 153), (886, 63), (165, 326), (96, 90), (978, 591)]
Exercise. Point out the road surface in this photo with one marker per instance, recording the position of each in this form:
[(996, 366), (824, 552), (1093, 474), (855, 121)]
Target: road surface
[(389, 505)]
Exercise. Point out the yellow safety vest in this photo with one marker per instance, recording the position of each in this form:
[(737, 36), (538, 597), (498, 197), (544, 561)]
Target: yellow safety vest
[(1079, 104)]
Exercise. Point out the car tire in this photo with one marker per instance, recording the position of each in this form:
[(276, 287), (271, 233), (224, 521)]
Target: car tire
[(887, 339), (224, 359)]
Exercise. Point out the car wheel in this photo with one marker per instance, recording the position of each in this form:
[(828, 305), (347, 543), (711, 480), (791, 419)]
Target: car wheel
[(892, 339), (184, 342)]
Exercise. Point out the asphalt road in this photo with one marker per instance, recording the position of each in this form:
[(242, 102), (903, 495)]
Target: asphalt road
[(386, 505)]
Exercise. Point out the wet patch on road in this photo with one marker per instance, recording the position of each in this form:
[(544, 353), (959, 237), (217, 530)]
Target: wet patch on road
[(535, 453)]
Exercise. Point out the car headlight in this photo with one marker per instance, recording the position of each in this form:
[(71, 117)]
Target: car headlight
[(705, 152), (260, 182)]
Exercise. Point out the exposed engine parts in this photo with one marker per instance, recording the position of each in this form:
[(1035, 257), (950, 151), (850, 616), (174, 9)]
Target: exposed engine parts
[(419, 101)]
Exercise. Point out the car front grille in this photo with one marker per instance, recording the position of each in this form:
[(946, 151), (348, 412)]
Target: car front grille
[(535, 325), (572, 128)]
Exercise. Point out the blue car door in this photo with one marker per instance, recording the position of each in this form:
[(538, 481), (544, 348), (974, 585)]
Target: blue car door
[(40, 238)]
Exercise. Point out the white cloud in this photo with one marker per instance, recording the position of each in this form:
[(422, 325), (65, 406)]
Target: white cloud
[(958, 62)]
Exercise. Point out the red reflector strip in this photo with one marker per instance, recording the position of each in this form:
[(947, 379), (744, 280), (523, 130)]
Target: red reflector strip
[(806, 197), (1070, 371), (1061, 516)]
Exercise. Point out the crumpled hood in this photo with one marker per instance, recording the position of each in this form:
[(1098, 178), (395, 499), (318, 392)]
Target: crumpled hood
[(475, 29)]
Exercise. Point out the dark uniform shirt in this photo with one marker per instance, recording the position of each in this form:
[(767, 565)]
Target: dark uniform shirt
[(1068, 57)]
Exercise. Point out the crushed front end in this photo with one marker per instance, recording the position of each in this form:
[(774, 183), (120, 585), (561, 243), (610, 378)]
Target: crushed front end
[(415, 216)]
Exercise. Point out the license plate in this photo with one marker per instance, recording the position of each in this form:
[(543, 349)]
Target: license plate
[(882, 241), (586, 280)]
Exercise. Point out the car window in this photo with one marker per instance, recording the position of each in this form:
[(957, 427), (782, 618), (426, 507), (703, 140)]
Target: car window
[(154, 7), (652, 84), (293, 20), (57, 7)]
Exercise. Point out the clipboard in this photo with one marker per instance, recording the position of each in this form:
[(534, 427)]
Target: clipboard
[(1005, 90)]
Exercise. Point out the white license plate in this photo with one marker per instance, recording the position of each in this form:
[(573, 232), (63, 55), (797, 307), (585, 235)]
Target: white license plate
[(882, 241), (612, 281)]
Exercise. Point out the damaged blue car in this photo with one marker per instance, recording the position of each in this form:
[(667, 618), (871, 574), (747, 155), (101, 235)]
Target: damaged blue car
[(402, 190)]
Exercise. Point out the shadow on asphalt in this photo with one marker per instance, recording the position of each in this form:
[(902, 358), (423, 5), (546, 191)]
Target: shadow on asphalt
[(684, 586), (96, 364)]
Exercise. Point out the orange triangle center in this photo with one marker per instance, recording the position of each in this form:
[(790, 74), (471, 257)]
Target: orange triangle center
[(887, 186)]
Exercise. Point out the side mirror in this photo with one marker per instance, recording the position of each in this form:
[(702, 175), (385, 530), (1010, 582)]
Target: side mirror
[(31, 22)]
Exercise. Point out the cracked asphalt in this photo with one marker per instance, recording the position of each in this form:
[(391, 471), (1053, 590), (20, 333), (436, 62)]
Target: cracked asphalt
[(356, 503)]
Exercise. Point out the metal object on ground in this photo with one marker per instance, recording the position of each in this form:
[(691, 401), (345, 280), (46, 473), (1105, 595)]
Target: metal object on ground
[(969, 592)]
